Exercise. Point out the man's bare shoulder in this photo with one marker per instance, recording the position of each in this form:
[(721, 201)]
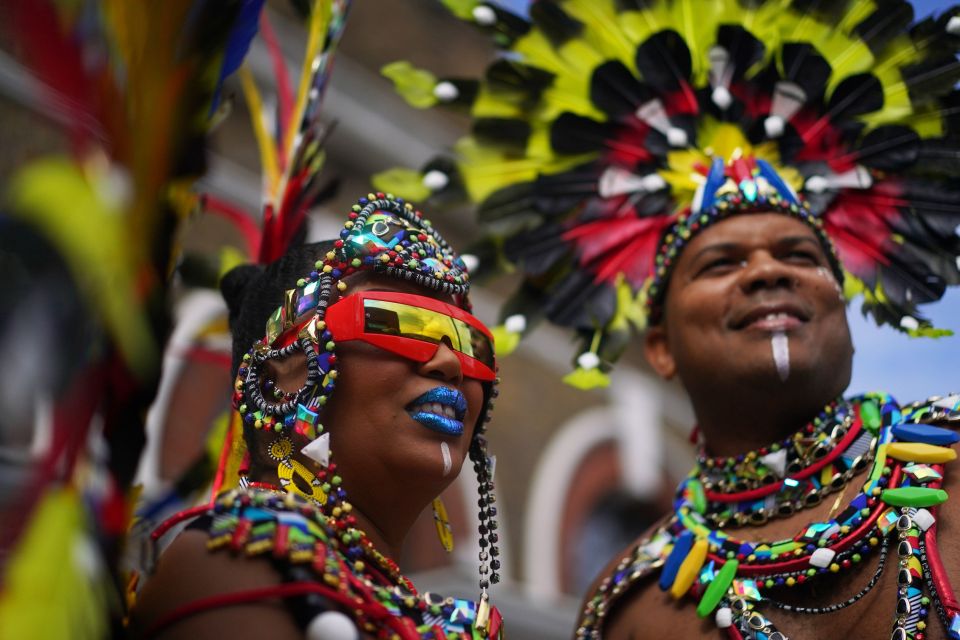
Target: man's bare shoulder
[(188, 572)]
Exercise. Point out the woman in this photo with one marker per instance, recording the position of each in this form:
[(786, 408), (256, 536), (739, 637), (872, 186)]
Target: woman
[(383, 317)]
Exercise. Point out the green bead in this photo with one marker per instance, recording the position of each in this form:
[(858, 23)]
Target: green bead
[(913, 497), (870, 414), (857, 557), (331, 345), (717, 588), (697, 495), (355, 262)]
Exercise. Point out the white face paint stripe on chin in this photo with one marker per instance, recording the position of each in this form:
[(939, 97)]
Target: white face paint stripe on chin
[(780, 345), (447, 459)]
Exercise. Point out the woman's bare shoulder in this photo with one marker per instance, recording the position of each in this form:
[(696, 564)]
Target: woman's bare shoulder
[(188, 573)]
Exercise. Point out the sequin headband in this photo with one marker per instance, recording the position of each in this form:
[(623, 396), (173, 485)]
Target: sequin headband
[(382, 234), (744, 185)]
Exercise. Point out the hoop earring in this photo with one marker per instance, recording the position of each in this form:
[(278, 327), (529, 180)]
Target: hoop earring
[(288, 469)]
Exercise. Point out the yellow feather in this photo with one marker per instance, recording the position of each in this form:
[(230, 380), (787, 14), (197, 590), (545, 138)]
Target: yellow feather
[(94, 240), (55, 582), (268, 152), (316, 32)]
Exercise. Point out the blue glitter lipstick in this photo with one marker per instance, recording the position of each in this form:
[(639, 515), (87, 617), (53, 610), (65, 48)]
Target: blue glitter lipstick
[(441, 409)]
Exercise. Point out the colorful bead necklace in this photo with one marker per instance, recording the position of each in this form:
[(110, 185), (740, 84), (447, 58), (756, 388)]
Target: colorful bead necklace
[(787, 476), (731, 579)]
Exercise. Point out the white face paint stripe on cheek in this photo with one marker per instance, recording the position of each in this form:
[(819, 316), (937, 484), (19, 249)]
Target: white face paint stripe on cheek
[(781, 354), (447, 459), (828, 275)]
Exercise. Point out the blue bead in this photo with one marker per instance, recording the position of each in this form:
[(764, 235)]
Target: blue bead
[(925, 433), (336, 273), (954, 629), (681, 547)]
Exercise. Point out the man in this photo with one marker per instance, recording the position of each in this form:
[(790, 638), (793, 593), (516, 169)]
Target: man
[(753, 326)]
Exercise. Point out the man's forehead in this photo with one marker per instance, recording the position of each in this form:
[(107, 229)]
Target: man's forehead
[(748, 229)]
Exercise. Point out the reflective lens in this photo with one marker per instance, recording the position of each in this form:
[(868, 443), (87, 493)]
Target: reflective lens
[(403, 320)]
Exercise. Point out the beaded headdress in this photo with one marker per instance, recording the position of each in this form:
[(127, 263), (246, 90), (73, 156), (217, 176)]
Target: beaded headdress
[(596, 128), (382, 235)]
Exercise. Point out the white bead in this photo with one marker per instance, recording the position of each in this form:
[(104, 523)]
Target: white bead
[(909, 323), (588, 360), (332, 625), (724, 617), (721, 97), (774, 126), (677, 137), (484, 15), (470, 261), (435, 180), (446, 91), (822, 557), (653, 182), (776, 462), (516, 323), (319, 450), (816, 184), (923, 519), (953, 25)]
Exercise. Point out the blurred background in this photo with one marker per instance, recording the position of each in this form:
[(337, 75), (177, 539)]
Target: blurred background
[(579, 474)]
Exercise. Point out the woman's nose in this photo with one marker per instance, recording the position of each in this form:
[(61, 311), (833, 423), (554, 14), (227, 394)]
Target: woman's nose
[(443, 365)]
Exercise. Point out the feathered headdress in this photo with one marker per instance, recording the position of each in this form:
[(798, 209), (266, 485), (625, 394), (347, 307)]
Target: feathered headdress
[(133, 85), (599, 121)]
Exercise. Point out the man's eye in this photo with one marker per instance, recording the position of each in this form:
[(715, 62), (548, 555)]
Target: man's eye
[(803, 257), (717, 265)]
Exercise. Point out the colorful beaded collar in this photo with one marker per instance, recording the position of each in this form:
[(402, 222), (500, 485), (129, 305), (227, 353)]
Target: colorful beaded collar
[(780, 479), (898, 504)]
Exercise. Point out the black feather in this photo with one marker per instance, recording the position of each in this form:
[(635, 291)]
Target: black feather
[(616, 91), (855, 95), (804, 66), (663, 60), (890, 19), (557, 25), (890, 148), (510, 132), (574, 134)]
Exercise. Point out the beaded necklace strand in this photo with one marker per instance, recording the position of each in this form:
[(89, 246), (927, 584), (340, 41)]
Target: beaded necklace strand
[(895, 506)]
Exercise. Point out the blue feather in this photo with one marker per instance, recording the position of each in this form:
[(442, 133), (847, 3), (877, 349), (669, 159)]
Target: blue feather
[(241, 35)]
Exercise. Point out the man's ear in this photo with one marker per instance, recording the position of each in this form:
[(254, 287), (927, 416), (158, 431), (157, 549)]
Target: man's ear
[(657, 352)]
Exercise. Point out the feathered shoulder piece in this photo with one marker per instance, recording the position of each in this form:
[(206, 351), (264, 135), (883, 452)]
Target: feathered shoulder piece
[(599, 121)]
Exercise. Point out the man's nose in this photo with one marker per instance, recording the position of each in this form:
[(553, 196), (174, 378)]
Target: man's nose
[(764, 271)]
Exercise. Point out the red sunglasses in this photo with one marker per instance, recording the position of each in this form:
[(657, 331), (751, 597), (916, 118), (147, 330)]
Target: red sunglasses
[(413, 326)]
